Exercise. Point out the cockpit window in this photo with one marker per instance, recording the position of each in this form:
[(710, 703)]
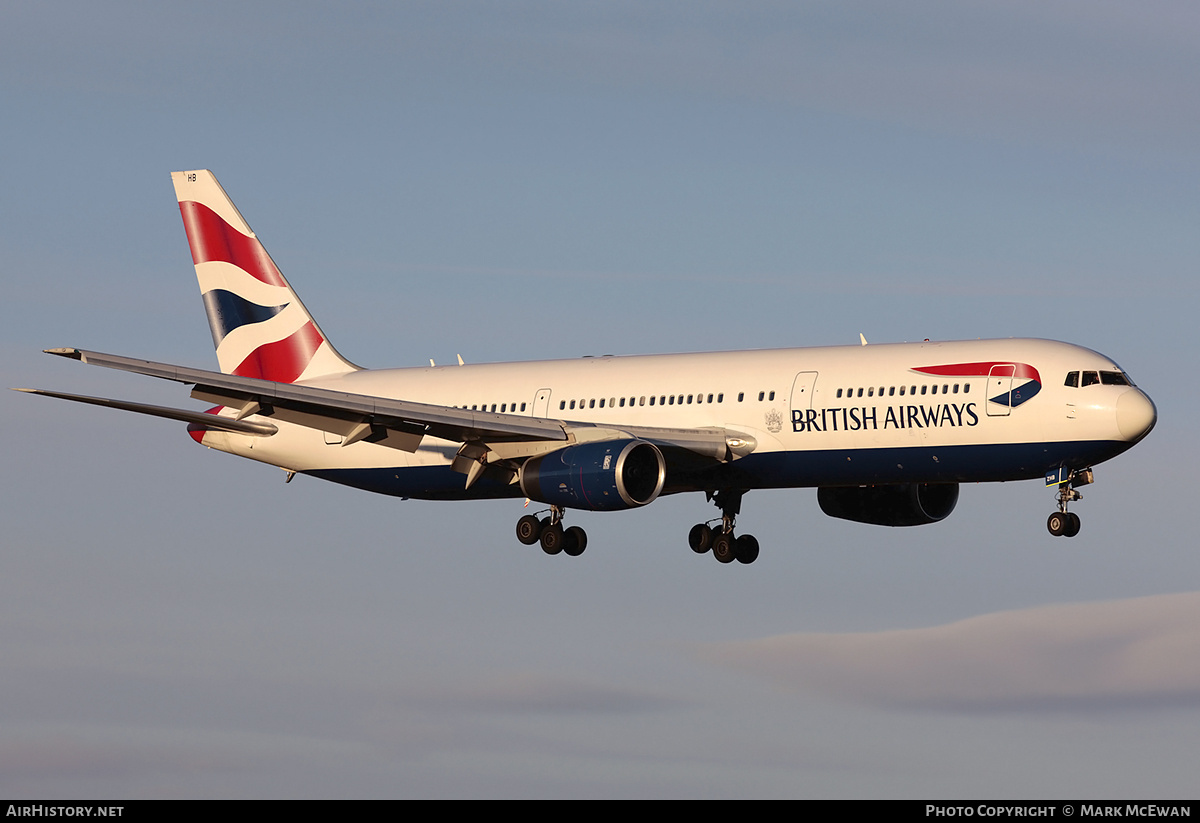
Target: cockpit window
[(1103, 378)]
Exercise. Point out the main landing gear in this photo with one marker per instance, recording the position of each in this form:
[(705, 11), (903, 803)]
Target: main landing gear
[(725, 547), (1064, 523), (550, 533)]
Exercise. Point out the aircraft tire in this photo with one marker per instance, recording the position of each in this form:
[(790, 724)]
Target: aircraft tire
[(574, 541), (723, 548), (529, 529), (552, 539), (1073, 525), (700, 538), (746, 548), (1056, 524)]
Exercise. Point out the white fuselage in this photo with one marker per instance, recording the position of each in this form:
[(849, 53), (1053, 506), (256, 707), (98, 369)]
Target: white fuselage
[(912, 412)]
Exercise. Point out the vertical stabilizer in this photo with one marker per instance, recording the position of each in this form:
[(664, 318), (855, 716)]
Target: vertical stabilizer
[(259, 326)]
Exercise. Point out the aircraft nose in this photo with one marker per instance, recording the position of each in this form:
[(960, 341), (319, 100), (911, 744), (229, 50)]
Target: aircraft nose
[(1136, 414)]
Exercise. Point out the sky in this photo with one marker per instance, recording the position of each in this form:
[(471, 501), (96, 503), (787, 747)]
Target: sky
[(526, 180)]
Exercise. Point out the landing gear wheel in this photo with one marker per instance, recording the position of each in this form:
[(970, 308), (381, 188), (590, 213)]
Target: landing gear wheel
[(723, 548), (574, 541), (700, 538), (1062, 522), (529, 529), (553, 539), (746, 549)]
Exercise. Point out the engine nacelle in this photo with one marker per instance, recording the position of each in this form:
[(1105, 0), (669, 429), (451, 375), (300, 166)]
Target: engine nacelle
[(602, 476), (904, 504)]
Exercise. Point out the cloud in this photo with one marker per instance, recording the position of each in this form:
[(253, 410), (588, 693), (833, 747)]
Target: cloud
[(1125, 654)]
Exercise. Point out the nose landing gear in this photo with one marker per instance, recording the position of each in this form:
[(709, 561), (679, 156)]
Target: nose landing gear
[(1063, 523)]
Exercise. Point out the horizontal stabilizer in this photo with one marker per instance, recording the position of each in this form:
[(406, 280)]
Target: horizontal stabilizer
[(208, 421)]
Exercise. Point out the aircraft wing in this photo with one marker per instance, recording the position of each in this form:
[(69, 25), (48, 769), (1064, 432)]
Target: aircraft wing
[(395, 423)]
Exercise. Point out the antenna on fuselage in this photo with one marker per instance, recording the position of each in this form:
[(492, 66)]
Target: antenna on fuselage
[(863, 339)]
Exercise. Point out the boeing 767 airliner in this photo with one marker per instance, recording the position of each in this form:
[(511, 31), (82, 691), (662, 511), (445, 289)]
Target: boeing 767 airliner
[(886, 433)]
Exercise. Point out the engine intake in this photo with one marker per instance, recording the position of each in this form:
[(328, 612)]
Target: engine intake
[(905, 504), (605, 476)]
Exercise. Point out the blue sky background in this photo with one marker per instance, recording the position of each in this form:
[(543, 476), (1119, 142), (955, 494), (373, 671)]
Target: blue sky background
[(530, 180)]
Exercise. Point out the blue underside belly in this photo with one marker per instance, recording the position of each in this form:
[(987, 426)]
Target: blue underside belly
[(422, 482), (933, 464)]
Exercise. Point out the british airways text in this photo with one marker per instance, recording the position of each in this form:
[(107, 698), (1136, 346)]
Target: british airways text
[(858, 418)]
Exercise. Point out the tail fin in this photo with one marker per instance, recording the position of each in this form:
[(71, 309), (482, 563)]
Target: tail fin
[(259, 326)]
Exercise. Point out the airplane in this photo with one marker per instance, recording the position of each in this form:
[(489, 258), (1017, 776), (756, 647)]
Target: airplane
[(886, 433)]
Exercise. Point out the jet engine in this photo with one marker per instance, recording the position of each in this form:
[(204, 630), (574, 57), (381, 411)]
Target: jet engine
[(904, 504), (604, 476)]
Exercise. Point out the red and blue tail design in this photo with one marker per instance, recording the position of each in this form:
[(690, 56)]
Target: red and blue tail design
[(259, 326), (1020, 381)]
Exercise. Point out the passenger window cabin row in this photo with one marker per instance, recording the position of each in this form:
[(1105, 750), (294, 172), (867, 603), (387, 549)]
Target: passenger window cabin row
[(621, 402), (870, 391), (660, 400)]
